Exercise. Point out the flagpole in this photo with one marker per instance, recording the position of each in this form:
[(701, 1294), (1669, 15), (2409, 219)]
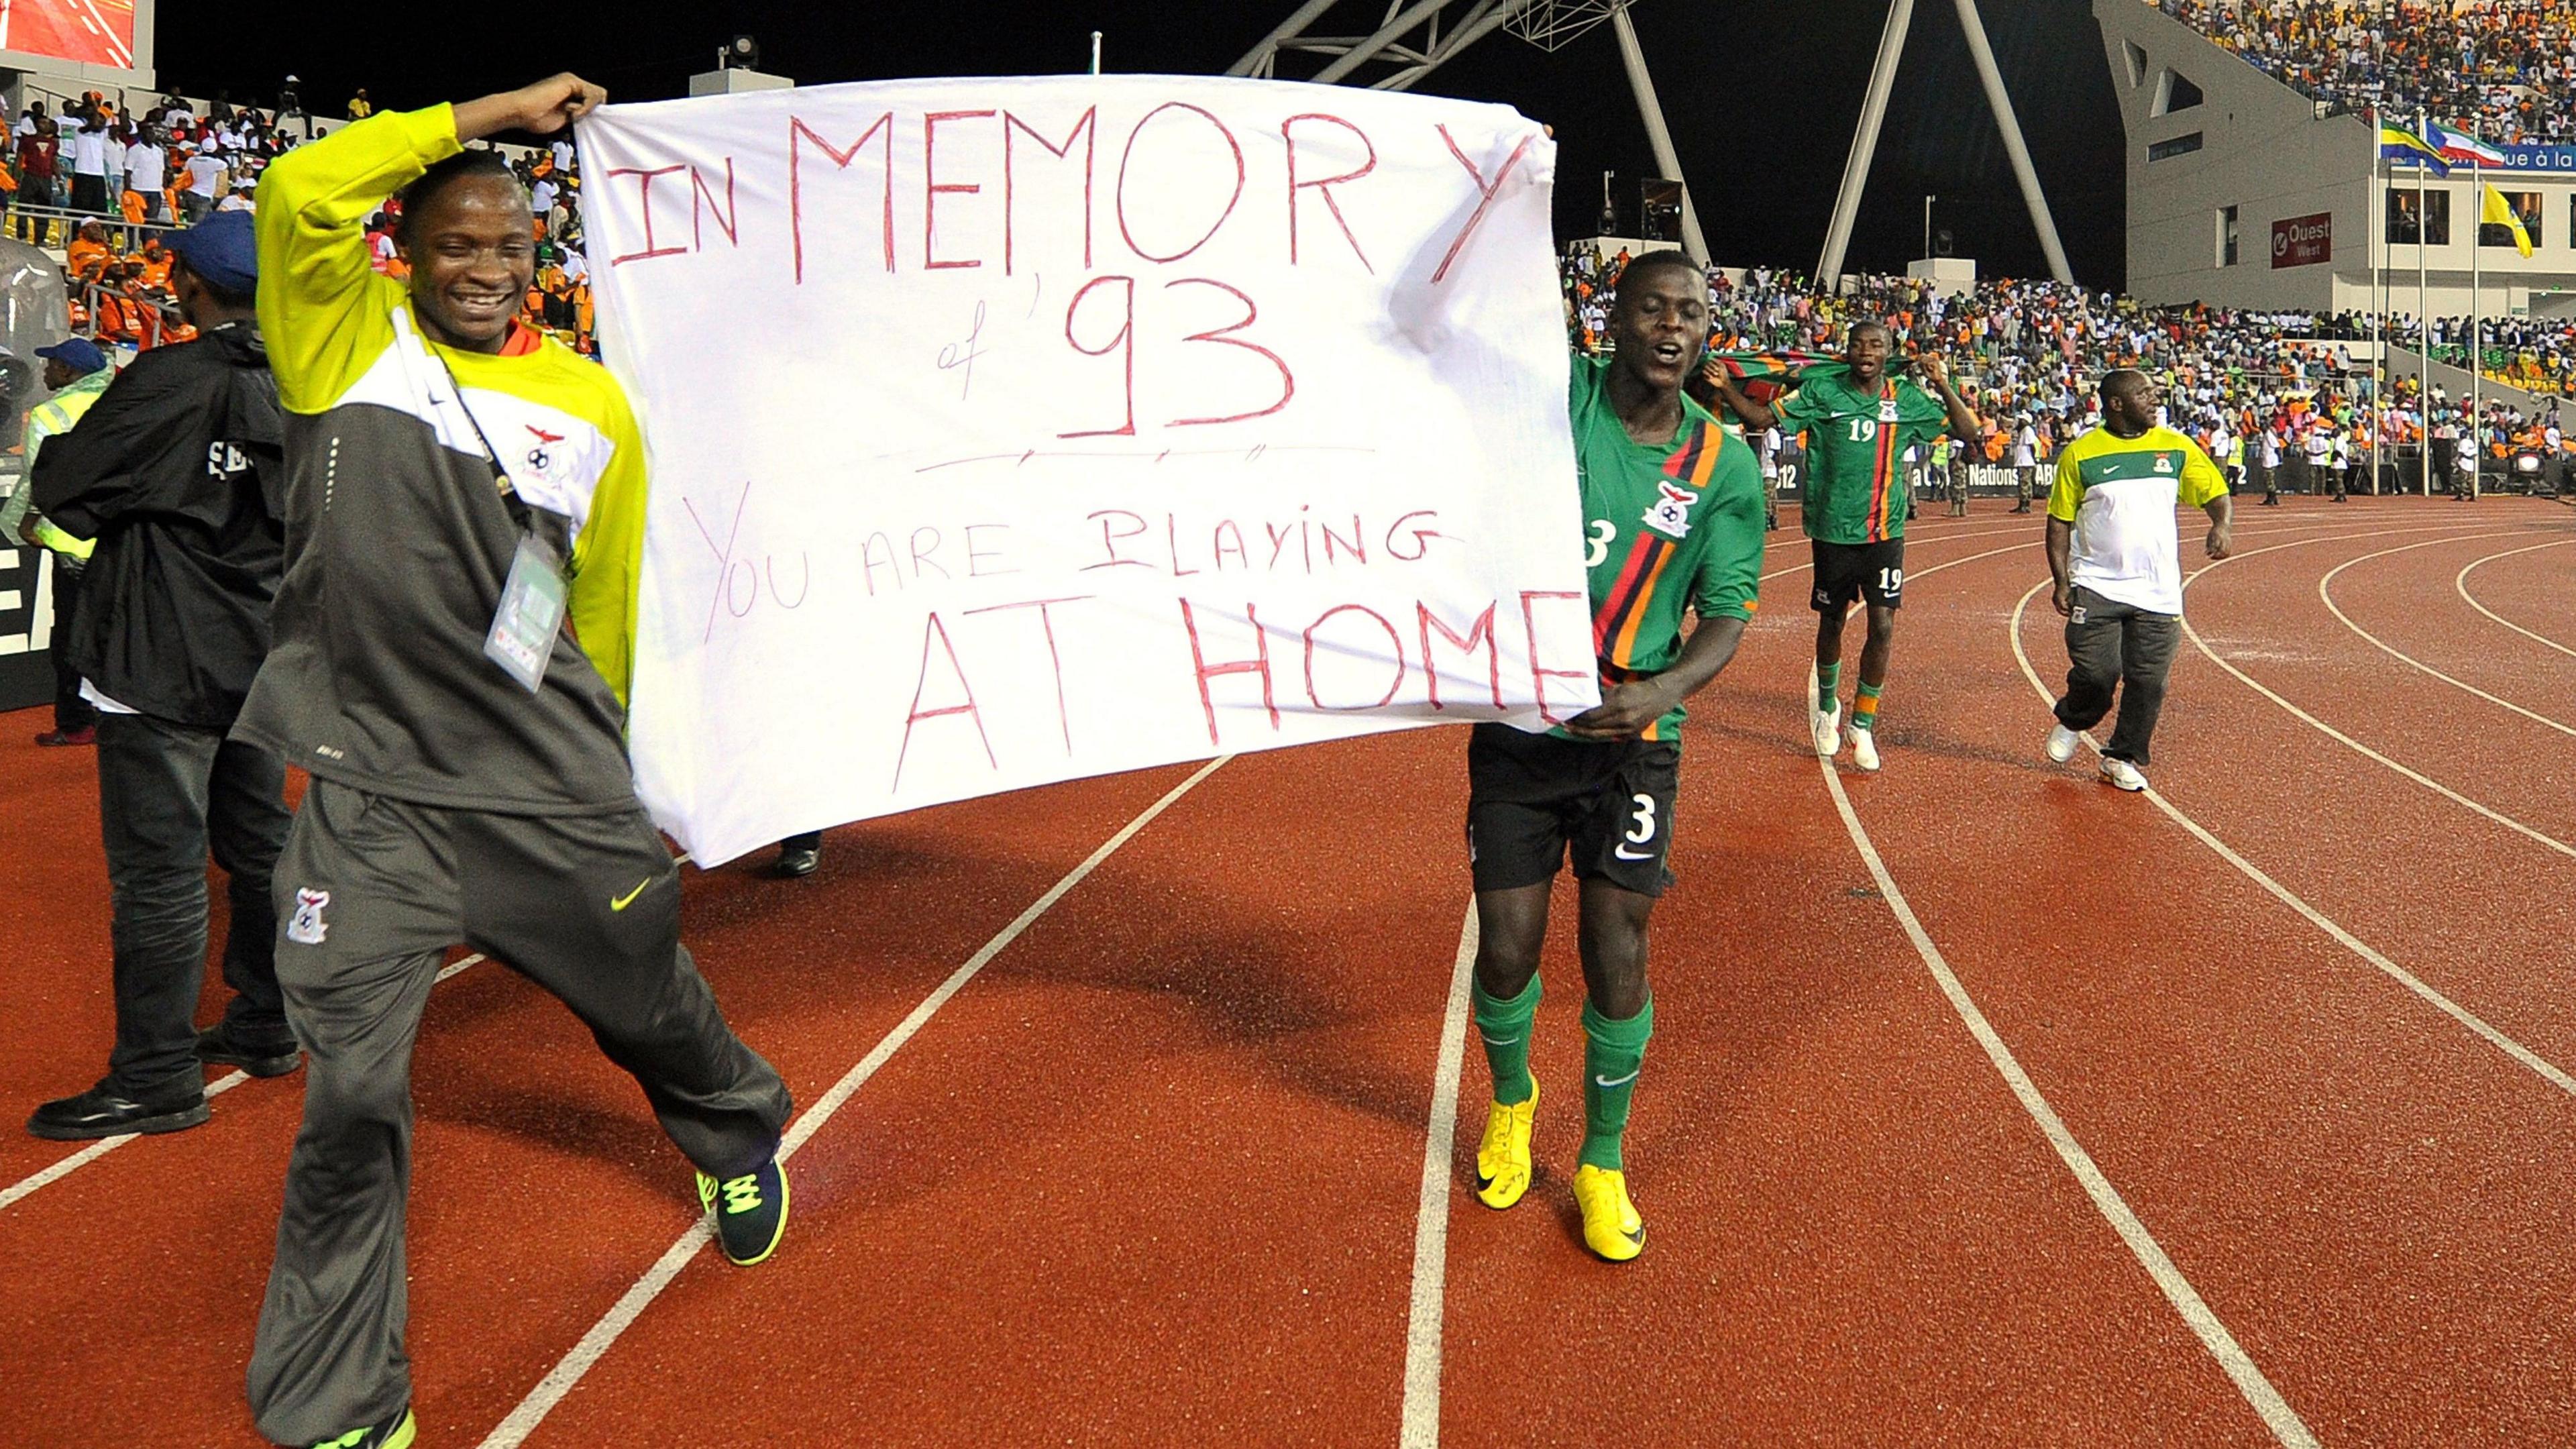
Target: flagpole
[(2477, 322), (2378, 333), (2424, 313)]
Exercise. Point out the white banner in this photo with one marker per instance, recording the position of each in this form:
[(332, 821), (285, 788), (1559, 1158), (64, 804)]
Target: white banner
[(1013, 431)]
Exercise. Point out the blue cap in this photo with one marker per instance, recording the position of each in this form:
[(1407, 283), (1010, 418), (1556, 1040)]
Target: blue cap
[(78, 353), (222, 249)]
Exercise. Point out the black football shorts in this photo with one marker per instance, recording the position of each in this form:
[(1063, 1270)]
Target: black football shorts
[(1531, 799), (1848, 571)]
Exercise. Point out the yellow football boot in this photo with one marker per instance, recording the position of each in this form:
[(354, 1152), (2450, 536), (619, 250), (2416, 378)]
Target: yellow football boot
[(1611, 1226), (1503, 1158)]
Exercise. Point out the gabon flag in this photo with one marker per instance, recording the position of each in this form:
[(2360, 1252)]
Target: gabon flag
[(2496, 211)]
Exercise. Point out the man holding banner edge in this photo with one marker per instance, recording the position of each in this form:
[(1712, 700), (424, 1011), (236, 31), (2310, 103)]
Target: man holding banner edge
[(1673, 509), (434, 444)]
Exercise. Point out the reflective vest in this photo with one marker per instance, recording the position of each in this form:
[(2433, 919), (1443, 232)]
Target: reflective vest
[(55, 415)]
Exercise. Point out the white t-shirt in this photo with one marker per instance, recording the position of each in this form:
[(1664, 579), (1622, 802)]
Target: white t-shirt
[(2318, 447), (562, 151), (202, 171), (89, 153), (2025, 452), (541, 198), (144, 167), (2120, 494)]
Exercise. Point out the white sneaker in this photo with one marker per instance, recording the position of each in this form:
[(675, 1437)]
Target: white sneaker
[(1865, 749), (2122, 773), (1826, 727), (2062, 742)]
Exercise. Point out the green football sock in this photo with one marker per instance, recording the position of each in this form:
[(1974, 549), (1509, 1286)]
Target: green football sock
[(1865, 706), (1505, 1026), (1613, 1053), (1829, 683)]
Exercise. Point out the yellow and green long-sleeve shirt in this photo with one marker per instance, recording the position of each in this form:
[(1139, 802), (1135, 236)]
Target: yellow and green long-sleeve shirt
[(397, 538)]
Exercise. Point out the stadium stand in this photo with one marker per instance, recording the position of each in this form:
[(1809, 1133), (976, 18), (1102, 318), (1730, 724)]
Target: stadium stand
[(175, 161), (2496, 68), (2030, 352)]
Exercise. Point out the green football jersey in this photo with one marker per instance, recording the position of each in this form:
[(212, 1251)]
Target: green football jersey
[(1668, 527), (1856, 444)]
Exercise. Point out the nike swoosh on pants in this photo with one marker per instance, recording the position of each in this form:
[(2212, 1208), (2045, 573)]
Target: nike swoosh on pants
[(1623, 1081)]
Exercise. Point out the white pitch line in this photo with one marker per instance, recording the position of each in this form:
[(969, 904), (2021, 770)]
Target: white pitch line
[(2460, 581), (2537, 1064), (2329, 731), (105, 1145), (2275, 1411), (2325, 591), (594, 1345), (101, 1148), (1421, 1418)]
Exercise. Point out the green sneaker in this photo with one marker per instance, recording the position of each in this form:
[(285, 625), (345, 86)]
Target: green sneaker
[(394, 1433), (750, 1211)]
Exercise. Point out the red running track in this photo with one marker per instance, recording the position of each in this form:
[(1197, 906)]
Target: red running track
[(1152, 1176)]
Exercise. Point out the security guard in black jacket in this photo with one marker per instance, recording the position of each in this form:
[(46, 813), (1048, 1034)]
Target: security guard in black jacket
[(176, 471)]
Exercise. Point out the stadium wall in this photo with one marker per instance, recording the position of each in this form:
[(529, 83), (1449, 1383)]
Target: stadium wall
[(2306, 218)]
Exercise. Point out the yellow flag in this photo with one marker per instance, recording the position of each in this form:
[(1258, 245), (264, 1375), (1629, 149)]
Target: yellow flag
[(2498, 212)]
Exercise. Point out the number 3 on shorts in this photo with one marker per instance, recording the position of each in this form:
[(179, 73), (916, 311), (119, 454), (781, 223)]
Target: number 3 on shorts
[(1645, 818)]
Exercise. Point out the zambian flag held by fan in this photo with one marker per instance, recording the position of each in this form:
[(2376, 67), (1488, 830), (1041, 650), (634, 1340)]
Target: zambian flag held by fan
[(1766, 375)]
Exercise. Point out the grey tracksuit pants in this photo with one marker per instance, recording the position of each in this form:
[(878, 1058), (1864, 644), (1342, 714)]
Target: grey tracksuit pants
[(2113, 645), (370, 893)]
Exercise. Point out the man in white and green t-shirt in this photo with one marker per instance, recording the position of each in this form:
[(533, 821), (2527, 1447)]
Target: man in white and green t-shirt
[(2117, 558)]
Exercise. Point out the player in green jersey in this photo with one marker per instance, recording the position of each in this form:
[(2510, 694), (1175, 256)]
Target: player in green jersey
[(1859, 423), (1672, 505)]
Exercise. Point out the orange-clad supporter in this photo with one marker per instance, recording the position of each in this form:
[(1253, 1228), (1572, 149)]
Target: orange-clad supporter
[(154, 271), (132, 204), (88, 254)]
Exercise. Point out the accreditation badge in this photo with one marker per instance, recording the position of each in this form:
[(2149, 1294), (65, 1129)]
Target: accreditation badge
[(522, 638)]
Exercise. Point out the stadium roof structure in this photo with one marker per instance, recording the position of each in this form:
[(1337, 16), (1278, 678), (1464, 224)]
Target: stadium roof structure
[(1411, 40)]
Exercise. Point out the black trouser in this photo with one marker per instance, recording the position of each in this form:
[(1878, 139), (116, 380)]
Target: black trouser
[(810, 840), (2114, 645), (71, 712), (372, 891), (166, 793)]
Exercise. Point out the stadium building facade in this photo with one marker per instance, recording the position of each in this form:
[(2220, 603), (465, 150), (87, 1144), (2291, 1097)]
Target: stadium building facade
[(2245, 193)]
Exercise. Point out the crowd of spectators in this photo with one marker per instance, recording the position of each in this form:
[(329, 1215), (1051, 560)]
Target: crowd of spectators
[(2497, 69), (2027, 355), (123, 176)]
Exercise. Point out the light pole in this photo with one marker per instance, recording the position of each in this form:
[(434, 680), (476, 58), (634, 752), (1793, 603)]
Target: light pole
[(1927, 226)]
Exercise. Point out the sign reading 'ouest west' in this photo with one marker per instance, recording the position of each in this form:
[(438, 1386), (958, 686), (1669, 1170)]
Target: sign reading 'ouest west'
[(1012, 431)]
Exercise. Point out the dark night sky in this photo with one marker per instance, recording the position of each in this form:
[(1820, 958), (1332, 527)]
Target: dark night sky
[(1762, 95)]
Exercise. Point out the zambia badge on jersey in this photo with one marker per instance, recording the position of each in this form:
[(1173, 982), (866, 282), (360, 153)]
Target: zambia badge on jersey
[(1887, 410), (1671, 514)]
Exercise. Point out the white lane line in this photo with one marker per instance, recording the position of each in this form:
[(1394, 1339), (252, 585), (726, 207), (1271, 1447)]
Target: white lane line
[(101, 1148), (2325, 588), (1421, 1420), (2329, 731), (106, 1145), (2276, 1413), (594, 1345), (2528, 1058), (220, 1085), (2460, 582)]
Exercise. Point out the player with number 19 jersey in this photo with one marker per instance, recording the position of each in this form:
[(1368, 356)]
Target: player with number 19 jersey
[(1669, 527), (1856, 445)]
